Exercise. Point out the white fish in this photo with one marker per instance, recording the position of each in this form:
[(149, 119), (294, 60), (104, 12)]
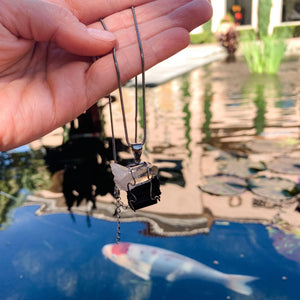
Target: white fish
[(145, 261)]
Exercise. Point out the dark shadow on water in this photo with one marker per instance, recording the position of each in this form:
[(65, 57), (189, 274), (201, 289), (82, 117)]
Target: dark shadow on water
[(86, 171)]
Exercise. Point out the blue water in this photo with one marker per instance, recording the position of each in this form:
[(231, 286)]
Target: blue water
[(59, 257)]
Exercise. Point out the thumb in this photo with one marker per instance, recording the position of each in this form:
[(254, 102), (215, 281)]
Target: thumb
[(43, 22)]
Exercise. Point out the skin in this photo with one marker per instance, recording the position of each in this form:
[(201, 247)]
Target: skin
[(47, 73)]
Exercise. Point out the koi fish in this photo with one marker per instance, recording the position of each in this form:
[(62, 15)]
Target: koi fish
[(145, 261)]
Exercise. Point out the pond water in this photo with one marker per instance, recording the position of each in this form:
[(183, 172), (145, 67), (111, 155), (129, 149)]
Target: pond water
[(227, 145)]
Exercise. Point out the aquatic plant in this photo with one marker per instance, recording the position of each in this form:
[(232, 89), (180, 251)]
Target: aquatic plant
[(263, 51), (265, 55)]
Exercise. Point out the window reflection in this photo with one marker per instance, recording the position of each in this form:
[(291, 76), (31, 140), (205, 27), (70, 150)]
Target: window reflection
[(291, 10)]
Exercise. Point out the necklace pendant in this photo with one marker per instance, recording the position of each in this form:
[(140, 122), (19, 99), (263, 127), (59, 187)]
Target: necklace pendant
[(140, 181), (145, 194), (144, 189)]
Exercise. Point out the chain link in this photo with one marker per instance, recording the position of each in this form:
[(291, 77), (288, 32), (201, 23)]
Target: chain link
[(119, 204), (118, 212)]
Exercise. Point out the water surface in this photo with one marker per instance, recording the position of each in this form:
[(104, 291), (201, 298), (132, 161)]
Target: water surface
[(227, 145)]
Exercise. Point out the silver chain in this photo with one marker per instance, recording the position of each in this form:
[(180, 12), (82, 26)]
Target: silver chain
[(136, 87), (119, 204)]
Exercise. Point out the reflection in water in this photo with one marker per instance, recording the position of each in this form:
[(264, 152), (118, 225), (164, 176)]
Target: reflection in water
[(259, 120), (207, 99), (170, 171), (228, 151), (261, 88), (249, 131), (20, 173), (185, 85), (211, 133), (84, 176), (82, 161), (286, 242)]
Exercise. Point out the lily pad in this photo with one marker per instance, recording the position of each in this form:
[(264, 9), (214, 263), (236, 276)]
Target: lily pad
[(223, 185), (285, 165), (241, 167), (273, 188), (272, 145)]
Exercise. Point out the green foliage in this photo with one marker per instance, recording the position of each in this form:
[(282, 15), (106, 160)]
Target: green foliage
[(206, 36), (296, 31), (202, 38), (20, 171), (260, 102), (208, 97), (264, 11), (207, 26), (246, 34), (185, 89), (273, 53), (287, 31), (264, 56)]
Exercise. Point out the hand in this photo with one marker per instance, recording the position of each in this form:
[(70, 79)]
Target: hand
[(47, 75)]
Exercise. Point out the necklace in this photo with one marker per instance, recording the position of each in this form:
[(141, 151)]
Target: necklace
[(139, 179)]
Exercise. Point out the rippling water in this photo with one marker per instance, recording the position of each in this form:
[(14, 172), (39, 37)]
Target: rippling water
[(227, 145)]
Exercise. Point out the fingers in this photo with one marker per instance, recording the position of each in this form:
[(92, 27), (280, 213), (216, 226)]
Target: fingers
[(163, 29), (157, 48), (182, 13), (89, 11), (156, 17), (42, 21)]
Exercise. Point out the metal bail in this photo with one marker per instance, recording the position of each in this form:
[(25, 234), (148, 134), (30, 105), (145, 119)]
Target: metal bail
[(137, 150)]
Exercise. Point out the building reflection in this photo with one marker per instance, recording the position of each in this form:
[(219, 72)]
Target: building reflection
[(212, 127), (248, 134)]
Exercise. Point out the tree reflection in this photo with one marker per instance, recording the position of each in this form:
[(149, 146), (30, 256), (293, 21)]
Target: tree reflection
[(185, 86), (207, 99), (262, 89), (84, 160), (20, 173), (260, 102)]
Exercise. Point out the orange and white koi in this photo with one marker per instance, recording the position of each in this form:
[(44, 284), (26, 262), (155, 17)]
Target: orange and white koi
[(147, 261)]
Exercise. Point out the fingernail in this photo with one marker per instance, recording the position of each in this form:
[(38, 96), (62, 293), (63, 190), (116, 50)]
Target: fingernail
[(101, 34)]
